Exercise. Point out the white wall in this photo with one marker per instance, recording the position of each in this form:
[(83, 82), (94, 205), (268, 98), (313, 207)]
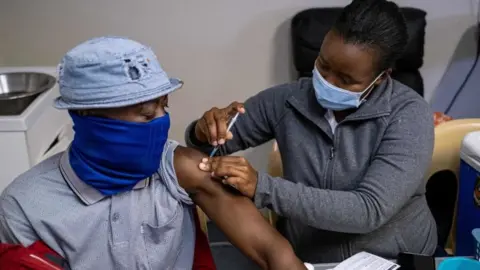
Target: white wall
[(223, 50), (3, 31)]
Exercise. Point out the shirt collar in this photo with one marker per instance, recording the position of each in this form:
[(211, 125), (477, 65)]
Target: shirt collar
[(88, 194)]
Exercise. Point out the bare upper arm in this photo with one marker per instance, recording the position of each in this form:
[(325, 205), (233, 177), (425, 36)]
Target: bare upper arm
[(186, 161), (191, 178)]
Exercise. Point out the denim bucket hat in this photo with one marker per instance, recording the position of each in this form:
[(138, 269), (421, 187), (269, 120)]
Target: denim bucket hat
[(111, 72)]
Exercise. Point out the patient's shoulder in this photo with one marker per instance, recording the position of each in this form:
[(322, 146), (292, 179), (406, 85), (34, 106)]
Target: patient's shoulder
[(186, 161), (186, 158), (184, 153)]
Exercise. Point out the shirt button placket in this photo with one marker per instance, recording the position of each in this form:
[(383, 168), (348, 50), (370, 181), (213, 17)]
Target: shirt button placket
[(118, 212), (115, 217)]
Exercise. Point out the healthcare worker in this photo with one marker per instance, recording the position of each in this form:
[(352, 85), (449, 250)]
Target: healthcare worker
[(117, 198), (354, 142)]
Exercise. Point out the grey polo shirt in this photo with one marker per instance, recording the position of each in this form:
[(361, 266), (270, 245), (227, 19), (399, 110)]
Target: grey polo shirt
[(150, 227)]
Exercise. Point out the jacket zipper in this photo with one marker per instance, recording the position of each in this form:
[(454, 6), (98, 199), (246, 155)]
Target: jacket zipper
[(329, 168), (332, 153), (332, 159), (328, 176), (329, 171), (328, 180)]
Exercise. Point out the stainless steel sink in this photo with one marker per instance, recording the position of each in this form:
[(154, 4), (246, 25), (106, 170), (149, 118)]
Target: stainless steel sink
[(19, 89)]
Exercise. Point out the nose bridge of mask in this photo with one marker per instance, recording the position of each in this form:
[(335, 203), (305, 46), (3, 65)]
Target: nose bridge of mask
[(369, 87), (332, 86), (360, 94)]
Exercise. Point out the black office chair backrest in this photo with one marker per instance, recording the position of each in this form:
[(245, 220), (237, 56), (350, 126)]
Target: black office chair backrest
[(309, 27)]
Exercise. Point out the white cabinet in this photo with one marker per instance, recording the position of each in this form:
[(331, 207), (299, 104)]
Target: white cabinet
[(38, 133)]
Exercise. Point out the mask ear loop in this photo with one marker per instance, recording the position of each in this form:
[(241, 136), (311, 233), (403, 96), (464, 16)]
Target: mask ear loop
[(370, 87)]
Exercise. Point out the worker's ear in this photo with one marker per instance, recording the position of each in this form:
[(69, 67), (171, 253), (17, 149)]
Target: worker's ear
[(384, 76)]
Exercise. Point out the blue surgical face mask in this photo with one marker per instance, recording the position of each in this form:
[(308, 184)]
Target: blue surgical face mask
[(335, 98), (113, 155)]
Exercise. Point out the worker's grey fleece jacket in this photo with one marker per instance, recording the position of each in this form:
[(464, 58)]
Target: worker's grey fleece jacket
[(360, 190)]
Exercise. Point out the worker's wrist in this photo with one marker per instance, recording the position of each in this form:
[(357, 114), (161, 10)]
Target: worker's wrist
[(191, 136), (263, 187)]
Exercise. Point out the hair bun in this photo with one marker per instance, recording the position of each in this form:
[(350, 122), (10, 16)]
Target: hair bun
[(376, 23)]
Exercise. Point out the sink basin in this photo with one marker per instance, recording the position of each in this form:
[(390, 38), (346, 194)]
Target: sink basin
[(19, 89)]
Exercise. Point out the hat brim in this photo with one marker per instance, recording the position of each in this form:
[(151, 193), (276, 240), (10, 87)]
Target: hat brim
[(63, 104)]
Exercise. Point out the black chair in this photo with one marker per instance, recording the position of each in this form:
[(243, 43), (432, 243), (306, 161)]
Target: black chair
[(441, 196)]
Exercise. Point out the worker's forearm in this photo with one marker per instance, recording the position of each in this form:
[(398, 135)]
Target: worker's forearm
[(246, 228)]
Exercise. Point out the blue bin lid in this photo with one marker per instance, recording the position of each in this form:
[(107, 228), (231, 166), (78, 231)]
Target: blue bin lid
[(459, 264)]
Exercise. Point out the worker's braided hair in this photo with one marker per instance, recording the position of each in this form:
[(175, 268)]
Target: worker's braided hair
[(376, 24)]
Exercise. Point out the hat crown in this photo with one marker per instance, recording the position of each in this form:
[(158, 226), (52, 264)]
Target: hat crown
[(106, 69), (109, 61)]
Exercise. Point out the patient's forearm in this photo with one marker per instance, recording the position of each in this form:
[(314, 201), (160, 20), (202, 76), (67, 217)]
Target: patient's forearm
[(246, 228)]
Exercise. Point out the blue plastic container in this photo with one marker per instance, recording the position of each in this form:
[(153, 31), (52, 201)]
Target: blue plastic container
[(459, 264), (468, 205)]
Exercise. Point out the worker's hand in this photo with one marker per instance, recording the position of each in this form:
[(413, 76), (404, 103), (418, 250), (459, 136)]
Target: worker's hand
[(212, 127), (234, 171)]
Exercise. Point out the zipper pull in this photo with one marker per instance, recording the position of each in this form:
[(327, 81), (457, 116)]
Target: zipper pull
[(332, 152)]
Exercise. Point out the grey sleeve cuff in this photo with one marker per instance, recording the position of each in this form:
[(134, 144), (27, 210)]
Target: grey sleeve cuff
[(262, 192), (192, 141)]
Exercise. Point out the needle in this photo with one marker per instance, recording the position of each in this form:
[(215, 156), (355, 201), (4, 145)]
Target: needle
[(230, 125)]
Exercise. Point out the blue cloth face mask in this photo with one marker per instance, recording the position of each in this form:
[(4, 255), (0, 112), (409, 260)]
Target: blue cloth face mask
[(113, 155), (335, 98)]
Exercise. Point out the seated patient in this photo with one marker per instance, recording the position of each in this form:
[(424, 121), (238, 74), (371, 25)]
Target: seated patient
[(123, 195)]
